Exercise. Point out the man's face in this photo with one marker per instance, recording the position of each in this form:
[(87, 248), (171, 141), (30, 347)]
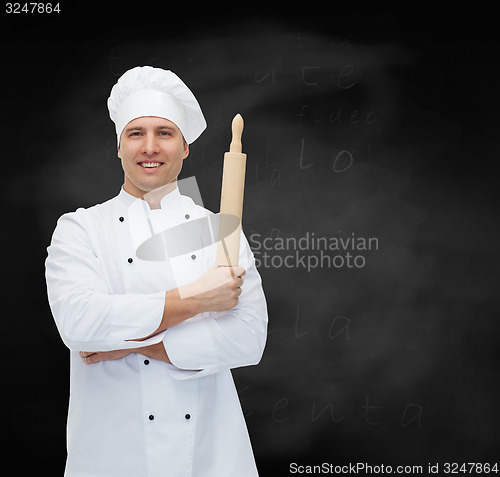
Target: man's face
[(152, 150)]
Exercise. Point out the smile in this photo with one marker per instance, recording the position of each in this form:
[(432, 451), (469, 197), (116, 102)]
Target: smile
[(150, 165)]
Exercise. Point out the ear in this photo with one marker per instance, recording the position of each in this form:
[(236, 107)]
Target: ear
[(118, 153), (186, 150)]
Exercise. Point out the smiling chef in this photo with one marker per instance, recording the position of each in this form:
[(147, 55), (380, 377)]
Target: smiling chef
[(153, 342)]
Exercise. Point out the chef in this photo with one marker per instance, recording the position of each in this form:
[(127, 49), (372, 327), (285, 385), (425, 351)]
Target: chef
[(153, 341)]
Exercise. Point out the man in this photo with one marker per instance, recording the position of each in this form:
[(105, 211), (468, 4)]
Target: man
[(152, 342)]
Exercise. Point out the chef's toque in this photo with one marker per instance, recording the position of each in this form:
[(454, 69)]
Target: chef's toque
[(147, 91)]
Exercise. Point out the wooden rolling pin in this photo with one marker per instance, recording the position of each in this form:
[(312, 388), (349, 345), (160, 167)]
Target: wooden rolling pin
[(231, 201)]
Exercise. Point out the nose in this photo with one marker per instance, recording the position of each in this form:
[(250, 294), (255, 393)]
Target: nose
[(150, 145)]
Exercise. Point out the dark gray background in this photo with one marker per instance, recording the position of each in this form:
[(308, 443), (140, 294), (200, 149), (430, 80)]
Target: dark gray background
[(392, 363)]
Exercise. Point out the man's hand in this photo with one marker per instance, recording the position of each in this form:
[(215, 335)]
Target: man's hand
[(156, 351), (217, 290), (96, 357)]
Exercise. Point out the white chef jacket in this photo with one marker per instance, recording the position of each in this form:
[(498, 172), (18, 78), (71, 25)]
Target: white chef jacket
[(140, 417)]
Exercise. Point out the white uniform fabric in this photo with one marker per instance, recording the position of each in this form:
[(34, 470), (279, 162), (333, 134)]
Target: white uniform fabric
[(139, 417)]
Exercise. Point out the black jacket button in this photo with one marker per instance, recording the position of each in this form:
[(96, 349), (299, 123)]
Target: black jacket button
[(187, 216), (121, 219), (188, 416), (151, 417), (130, 260)]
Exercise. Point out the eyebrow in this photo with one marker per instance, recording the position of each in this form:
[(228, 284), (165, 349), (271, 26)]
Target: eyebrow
[(156, 128)]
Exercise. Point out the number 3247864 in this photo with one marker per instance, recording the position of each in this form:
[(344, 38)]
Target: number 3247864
[(32, 8)]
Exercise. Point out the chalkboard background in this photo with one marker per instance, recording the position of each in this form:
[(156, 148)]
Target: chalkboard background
[(358, 126)]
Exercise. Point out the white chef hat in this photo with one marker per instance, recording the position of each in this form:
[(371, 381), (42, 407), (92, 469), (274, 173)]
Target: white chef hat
[(147, 91)]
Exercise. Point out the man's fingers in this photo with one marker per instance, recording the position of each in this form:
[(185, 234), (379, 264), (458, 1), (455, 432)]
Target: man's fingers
[(238, 271), (96, 357), (89, 357)]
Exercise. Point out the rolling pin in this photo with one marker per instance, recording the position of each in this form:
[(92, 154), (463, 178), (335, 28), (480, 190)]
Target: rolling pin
[(231, 201)]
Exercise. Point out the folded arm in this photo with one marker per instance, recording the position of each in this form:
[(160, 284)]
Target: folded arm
[(156, 351), (210, 341), (215, 341), (217, 290), (224, 331)]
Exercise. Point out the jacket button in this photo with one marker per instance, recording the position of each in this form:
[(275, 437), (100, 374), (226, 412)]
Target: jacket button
[(146, 362), (188, 416), (121, 219), (151, 417), (130, 260), (187, 216), (193, 256)]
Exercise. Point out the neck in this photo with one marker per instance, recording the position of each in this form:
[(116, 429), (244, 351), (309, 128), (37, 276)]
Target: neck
[(132, 189), (154, 197)]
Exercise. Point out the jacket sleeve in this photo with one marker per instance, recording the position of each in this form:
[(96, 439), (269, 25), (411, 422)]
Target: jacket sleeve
[(87, 315), (210, 342)]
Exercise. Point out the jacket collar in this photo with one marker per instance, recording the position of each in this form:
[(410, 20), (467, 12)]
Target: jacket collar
[(169, 202)]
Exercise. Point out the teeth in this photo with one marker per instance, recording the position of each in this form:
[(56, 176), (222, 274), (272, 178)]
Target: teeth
[(150, 164)]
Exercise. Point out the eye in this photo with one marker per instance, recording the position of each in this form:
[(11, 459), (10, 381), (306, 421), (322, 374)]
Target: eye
[(164, 133)]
